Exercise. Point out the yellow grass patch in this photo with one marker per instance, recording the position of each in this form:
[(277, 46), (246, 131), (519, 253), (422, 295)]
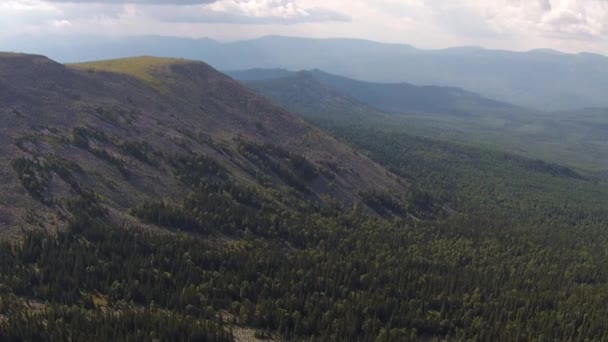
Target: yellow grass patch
[(140, 67), (100, 300)]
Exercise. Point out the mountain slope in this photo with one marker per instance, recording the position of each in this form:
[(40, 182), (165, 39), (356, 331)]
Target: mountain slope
[(400, 97), (393, 98), (540, 78), (305, 94), (246, 244), (122, 131), (572, 137)]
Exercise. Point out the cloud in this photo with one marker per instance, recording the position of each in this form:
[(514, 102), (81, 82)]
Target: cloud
[(149, 2), (576, 18), (557, 18), (18, 17), (62, 23), (495, 19), (571, 25), (219, 11), (245, 12)]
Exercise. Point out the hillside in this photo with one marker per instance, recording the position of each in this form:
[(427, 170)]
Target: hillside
[(541, 79), (304, 93), (573, 137), (394, 98), (189, 208), (122, 128)]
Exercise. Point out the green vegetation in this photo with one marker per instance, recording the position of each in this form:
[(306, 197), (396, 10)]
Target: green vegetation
[(115, 116), (487, 246), (36, 173), (319, 274), (140, 150), (82, 137), (34, 176), (169, 216), (293, 169), (76, 324), (485, 182), (195, 171), (574, 138), (481, 244), (142, 68)]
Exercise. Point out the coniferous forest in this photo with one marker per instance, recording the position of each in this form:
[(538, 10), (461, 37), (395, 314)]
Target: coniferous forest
[(506, 258), (164, 217)]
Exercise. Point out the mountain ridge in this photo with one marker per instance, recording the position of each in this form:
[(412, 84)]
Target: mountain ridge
[(533, 78), (390, 98), (198, 210), (71, 128), (573, 138)]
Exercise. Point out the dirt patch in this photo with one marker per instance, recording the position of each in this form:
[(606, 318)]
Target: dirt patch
[(248, 335)]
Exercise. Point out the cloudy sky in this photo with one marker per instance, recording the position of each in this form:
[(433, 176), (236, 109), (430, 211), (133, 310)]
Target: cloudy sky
[(567, 25)]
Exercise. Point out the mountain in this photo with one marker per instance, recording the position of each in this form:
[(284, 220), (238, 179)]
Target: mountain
[(123, 130), (158, 199), (402, 97), (541, 78), (570, 137), (392, 98), (260, 74), (308, 96)]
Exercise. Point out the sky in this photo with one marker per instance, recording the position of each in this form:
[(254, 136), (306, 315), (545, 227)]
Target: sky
[(565, 25)]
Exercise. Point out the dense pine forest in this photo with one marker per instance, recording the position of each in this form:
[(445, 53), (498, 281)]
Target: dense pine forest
[(144, 223), (495, 247)]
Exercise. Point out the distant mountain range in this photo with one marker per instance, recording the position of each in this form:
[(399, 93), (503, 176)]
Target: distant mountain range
[(572, 137), (543, 79), (392, 98)]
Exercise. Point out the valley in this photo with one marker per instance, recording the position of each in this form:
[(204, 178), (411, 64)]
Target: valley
[(303, 171), (569, 137), (158, 199)]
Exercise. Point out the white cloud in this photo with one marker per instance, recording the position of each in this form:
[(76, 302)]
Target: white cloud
[(571, 25), (244, 12), (18, 17), (262, 8), (588, 18), (583, 18), (62, 23), (153, 2)]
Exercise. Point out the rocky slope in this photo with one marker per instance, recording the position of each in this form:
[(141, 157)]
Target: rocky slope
[(116, 129)]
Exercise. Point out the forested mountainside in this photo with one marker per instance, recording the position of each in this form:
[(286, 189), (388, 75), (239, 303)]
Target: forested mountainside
[(518, 205), (188, 208), (573, 137), (122, 128), (391, 98)]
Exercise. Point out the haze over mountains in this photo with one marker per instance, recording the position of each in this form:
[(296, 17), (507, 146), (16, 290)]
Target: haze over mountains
[(388, 97), (541, 79), (574, 137)]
